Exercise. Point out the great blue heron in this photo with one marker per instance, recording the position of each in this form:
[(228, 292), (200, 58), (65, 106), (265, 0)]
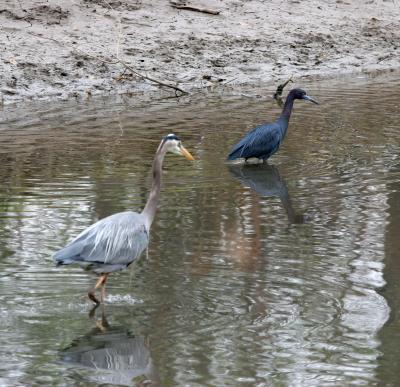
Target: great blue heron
[(113, 243), (264, 140)]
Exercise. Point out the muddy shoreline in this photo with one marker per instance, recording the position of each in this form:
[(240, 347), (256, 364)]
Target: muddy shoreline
[(54, 50)]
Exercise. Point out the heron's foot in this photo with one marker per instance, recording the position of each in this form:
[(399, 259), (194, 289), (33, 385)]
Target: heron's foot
[(92, 296)]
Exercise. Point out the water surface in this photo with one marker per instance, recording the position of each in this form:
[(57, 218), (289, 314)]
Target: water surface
[(284, 274)]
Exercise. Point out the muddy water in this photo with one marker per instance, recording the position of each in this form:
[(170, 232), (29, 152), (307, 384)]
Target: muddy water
[(285, 274)]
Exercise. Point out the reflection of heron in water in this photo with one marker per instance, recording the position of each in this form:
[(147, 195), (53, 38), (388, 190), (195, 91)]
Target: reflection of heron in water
[(115, 355), (266, 181)]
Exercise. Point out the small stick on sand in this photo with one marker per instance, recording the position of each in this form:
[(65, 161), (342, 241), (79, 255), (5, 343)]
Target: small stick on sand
[(184, 5)]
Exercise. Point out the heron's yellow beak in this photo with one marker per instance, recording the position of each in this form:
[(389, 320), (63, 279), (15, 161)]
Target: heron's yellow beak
[(186, 153)]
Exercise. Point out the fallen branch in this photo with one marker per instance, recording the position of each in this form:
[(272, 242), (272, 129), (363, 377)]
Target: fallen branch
[(161, 83), (131, 69), (187, 7), (384, 57), (278, 93)]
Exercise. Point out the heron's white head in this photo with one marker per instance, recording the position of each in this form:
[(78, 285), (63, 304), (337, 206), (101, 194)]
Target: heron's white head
[(174, 145)]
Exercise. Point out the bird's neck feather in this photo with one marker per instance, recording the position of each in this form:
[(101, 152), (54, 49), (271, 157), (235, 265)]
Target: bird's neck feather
[(287, 108), (150, 208)]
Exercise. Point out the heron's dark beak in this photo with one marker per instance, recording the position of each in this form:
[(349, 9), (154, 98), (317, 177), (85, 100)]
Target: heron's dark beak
[(186, 153), (308, 98)]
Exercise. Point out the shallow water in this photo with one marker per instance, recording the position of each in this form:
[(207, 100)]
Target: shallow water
[(285, 274)]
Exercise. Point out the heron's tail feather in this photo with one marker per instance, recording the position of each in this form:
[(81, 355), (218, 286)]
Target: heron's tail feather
[(65, 262), (68, 255), (235, 154)]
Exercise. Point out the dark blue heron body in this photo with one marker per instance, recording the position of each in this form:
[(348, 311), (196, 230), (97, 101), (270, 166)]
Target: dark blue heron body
[(264, 140)]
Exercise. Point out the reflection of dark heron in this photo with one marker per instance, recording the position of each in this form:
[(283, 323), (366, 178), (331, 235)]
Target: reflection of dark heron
[(116, 356), (113, 243), (266, 180)]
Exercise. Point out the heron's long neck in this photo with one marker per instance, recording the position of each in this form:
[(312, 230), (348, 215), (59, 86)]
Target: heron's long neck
[(150, 209), (287, 108)]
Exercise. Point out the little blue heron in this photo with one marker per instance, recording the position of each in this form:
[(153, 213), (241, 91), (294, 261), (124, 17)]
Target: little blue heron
[(264, 140), (113, 243)]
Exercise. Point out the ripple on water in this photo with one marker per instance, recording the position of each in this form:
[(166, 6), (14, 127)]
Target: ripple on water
[(236, 289)]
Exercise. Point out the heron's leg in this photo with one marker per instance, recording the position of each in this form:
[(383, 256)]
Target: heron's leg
[(92, 296), (92, 292), (103, 288)]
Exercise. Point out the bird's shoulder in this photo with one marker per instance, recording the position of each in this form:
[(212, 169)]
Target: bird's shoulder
[(267, 127), (263, 133), (127, 221), (124, 217)]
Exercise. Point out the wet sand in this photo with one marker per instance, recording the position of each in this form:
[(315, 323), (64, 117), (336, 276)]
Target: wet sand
[(57, 50)]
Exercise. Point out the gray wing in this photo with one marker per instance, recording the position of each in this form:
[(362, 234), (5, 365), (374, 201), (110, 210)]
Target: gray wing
[(116, 240), (262, 142)]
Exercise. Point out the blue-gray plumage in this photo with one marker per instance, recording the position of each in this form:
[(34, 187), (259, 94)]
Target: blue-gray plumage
[(109, 245), (264, 140), (113, 243)]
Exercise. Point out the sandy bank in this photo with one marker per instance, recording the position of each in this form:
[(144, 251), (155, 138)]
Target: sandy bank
[(59, 49)]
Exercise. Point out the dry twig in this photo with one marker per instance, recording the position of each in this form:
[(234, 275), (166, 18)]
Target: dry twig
[(278, 93), (184, 5), (161, 83)]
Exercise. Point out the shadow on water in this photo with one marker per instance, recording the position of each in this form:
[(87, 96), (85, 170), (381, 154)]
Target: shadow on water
[(114, 353), (266, 180)]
